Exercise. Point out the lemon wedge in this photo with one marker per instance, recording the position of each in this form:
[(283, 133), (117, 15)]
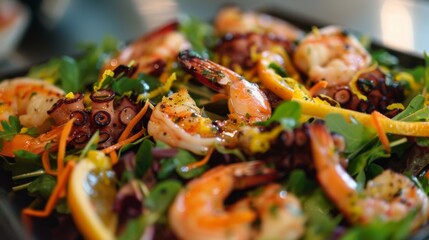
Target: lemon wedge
[(91, 192)]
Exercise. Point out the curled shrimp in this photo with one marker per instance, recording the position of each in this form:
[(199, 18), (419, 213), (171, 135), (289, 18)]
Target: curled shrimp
[(331, 54), (388, 197), (29, 100), (246, 101), (152, 51), (177, 121), (198, 211), (233, 20)]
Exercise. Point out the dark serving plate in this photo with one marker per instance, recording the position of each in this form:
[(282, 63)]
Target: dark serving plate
[(11, 226)]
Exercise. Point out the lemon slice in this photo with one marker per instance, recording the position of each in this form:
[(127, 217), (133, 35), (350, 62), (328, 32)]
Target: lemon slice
[(91, 192)]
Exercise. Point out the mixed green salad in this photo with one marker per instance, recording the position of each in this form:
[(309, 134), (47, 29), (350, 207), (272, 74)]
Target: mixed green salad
[(246, 127)]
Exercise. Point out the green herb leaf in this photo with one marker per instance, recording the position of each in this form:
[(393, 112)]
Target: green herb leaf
[(162, 196), (355, 134), (379, 230), (359, 163), (385, 58), (184, 158), (200, 34), (415, 111), (320, 223), (43, 186), (76, 74), (69, 74), (278, 69), (300, 184), (287, 113), (179, 163), (10, 128), (136, 227), (48, 71), (144, 158), (143, 84), (23, 162)]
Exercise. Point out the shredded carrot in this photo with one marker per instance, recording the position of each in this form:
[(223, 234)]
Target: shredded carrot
[(47, 164), (319, 85), (380, 131), (219, 96), (113, 157), (60, 187), (201, 162), (133, 122), (124, 142), (62, 145)]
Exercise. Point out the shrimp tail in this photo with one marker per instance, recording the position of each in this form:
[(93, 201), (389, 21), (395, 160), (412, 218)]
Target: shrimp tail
[(334, 179), (205, 71)]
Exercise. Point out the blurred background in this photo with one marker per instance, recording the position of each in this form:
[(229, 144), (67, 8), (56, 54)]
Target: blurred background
[(47, 28)]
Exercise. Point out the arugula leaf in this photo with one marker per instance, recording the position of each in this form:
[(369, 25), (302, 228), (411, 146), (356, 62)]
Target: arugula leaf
[(385, 58), (75, 74), (69, 74), (200, 34), (143, 158), (10, 128), (382, 230), (136, 227), (43, 186), (355, 134), (299, 184), (158, 201), (178, 163), (163, 195), (320, 223), (317, 208), (287, 114), (415, 111), (48, 71), (143, 84), (23, 162)]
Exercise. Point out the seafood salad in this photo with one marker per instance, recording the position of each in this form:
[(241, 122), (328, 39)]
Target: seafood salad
[(246, 127)]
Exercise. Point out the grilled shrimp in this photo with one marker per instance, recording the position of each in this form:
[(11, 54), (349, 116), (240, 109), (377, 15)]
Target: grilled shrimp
[(332, 55), (233, 20), (177, 121), (198, 211), (152, 52), (388, 197), (29, 100), (246, 101)]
